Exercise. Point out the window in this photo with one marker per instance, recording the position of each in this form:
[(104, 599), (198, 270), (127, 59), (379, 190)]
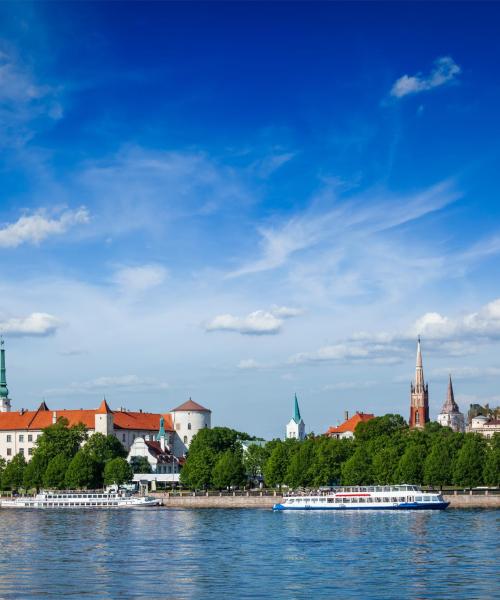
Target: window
[(21, 437), (189, 425), (30, 438), (9, 451), (9, 438), (21, 451), (185, 439), (417, 417), (123, 436), (30, 451)]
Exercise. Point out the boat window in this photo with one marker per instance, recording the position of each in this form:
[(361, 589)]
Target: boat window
[(418, 498), (427, 498), (401, 499), (330, 500)]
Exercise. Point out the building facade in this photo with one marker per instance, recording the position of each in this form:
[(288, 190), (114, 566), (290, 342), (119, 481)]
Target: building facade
[(450, 415), (419, 395), (347, 428), (485, 426), (296, 429), (19, 430)]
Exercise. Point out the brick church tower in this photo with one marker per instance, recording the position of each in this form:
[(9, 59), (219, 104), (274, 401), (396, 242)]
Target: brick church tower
[(419, 403)]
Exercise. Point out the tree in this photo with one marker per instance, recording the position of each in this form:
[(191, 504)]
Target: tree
[(104, 447), (61, 439), (117, 471), (385, 465), (298, 473), (55, 473), (83, 472), (330, 453), (387, 425), (229, 470), (197, 471), (35, 470), (254, 459), (410, 469), (357, 470), (438, 466), (140, 464), (469, 462), (3, 464), (277, 464), (491, 474), (12, 477)]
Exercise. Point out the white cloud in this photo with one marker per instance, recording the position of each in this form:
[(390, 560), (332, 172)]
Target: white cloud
[(249, 363), (140, 278), (35, 228), (350, 351), (259, 322), (461, 372), (445, 70), (35, 324)]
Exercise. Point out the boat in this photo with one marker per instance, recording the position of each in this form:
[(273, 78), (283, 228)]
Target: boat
[(78, 499), (372, 497)]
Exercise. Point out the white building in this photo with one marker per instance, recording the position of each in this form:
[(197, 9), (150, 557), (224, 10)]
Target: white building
[(450, 415), (484, 426), (19, 430), (296, 428)]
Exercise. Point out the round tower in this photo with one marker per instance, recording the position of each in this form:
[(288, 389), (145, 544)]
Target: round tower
[(188, 419)]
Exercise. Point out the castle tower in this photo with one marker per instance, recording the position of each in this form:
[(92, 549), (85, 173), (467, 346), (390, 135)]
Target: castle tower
[(450, 415), (419, 402), (4, 392), (103, 419), (296, 428)]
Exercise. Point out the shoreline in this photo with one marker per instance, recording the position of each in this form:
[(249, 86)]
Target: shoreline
[(457, 501)]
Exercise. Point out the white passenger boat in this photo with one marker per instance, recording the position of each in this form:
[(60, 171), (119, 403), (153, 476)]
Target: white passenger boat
[(75, 499), (387, 497)]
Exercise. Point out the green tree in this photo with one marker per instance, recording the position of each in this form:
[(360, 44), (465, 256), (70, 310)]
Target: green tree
[(82, 472), (12, 477), (438, 466), (254, 460), (411, 465), (35, 470), (104, 447), (357, 470), (330, 453), (55, 473), (117, 471), (229, 470), (386, 426), (299, 470), (469, 462), (277, 464), (197, 471), (140, 464), (385, 465), (491, 473), (59, 438), (3, 464)]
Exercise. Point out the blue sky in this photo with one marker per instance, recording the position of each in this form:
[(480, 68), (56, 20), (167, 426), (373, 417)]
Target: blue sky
[(237, 202)]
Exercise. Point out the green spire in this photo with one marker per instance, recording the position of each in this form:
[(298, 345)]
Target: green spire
[(161, 432), (4, 392), (296, 416)]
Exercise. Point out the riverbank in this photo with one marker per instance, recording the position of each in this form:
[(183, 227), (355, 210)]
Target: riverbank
[(264, 501)]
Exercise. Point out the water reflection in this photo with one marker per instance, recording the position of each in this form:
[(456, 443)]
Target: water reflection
[(245, 553)]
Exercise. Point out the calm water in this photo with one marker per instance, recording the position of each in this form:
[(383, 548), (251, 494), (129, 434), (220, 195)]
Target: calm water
[(248, 554)]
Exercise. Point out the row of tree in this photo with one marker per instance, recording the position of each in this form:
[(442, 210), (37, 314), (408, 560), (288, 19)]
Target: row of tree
[(66, 458), (384, 451)]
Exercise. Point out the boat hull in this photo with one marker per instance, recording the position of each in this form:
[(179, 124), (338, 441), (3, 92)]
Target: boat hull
[(341, 508)]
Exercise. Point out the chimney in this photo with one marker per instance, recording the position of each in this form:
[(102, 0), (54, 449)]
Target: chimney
[(54, 417), (346, 415)]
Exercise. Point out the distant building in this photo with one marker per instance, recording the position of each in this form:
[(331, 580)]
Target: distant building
[(19, 430), (419, 397), (485, 426), (346, 429), (296, 428), (450, 415)]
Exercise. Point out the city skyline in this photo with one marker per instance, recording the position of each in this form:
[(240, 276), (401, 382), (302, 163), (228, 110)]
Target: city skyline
[(237, 203)]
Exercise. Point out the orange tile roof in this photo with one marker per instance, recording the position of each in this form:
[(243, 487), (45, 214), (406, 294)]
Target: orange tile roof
[(350, 424), (191, 406), (41, 418)]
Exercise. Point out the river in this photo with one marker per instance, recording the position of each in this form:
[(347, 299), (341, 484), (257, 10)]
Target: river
[(159, 553)]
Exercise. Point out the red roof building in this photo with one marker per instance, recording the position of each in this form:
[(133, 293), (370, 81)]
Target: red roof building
[(346, 429)]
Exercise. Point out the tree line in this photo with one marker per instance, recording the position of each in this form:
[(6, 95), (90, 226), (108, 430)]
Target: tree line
[(383, 451), (67, 458)]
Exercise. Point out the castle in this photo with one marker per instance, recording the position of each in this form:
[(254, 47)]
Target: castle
[(20, 430)]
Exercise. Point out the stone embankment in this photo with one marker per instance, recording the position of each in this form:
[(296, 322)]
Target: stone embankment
[(266, 500)]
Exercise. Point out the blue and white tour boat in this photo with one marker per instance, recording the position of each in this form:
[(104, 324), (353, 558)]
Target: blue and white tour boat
[(370, 497), (76, 499)]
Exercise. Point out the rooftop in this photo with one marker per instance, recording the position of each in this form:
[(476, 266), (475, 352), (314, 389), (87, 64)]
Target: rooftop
[(350, 424)]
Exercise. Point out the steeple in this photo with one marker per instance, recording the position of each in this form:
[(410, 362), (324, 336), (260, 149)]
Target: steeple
[(4, 392), (450, 406), (450, 415), (296, 416), (419, 399)]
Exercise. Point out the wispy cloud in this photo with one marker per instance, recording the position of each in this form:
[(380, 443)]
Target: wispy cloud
[(259, 322), (35, 228), (140, 278), (445, 70), (36, 324), (130, 383)]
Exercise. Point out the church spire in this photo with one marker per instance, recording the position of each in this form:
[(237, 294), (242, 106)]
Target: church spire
[(296, 416), (419, 399), (419, 369), (4, 392), (450, 406)]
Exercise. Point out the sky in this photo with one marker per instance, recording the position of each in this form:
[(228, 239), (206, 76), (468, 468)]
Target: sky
[(237, 202)]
